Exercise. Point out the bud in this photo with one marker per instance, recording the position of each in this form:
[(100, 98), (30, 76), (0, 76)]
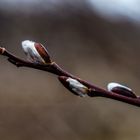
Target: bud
[(74, 86), (121, 89), (36, 52), (2, 50)]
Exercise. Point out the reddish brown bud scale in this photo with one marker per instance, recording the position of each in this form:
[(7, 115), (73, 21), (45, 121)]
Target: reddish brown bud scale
[(123, 91), (43, 52)]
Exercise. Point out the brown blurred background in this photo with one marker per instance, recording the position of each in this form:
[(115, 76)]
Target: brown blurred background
[(97, 48)]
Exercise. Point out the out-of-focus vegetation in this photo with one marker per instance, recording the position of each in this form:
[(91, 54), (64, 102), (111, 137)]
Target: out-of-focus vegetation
[(34, 105)]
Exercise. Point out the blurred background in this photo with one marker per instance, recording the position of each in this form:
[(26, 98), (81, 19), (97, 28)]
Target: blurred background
[(96, 40)]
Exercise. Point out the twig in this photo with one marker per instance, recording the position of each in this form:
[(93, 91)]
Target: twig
[(74, 84)]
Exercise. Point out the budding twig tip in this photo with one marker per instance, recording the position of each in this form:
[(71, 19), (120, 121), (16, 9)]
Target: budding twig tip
[(2, 50)]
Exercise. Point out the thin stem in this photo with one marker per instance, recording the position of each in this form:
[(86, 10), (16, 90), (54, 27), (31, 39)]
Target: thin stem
[(115, 96)]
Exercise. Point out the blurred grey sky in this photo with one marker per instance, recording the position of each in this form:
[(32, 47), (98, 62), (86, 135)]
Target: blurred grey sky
[(107, 8)]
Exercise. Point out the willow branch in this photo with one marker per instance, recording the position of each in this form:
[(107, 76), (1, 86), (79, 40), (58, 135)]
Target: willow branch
[(78, 86)]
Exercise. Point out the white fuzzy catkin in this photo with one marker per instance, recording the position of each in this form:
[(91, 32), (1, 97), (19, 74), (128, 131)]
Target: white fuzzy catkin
[(112, 85), (77, 87), (31, 52)]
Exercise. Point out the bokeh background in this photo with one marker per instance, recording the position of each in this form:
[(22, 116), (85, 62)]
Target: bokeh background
[(96, 40)]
